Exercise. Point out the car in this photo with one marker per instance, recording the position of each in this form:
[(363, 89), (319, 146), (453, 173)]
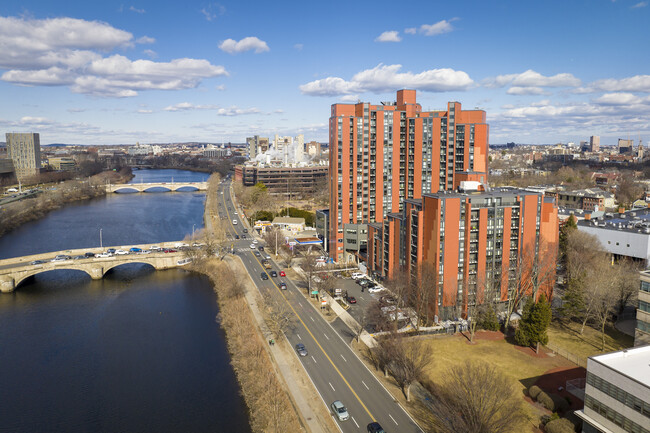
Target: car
[(111, 251), (155, 248), (243, 236), (181, 245), (254, 241), (267, 257), (283, 285), (356, 275), (135, 250), (283, 274), (236, 213), (245, 230), (264, 276), (374, 427), (102, 255), (120, 252), (261, 248), (375, 289), (80, 257), (300, 348), (274, 274), (257, 253), (61, 258), (340, 411), (38, 262), (234, 222), (252, 246), (351, 300), (89, 255), (236, 236), (170, 250)]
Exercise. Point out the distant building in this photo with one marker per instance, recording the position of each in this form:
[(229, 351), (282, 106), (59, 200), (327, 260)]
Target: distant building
[(62, 163), (289, 224), (322, 225), (24, 149), (140, 149), (642, 331), (587, 199), (313, 148), (256, 145), (289, 180), (617, 392), (625, 146)]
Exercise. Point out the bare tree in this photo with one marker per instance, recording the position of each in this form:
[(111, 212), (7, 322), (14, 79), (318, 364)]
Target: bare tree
[(422, 294), (477, 398), (628, 271), (273, 238), (236, 288), (358, 326), (278, 316), (309, 268), (409, 362)]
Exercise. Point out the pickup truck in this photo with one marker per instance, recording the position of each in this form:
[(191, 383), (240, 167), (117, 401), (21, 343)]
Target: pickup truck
[(266, 264)]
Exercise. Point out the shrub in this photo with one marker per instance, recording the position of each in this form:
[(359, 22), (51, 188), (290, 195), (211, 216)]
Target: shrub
[(534, 391), (559, 402), (488, 319), (561, 425), (546, 401)]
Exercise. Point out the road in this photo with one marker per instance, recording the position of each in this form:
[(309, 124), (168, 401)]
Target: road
[(335, 370)]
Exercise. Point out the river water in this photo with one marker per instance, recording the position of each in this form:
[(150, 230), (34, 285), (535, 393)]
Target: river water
[(138, 351)]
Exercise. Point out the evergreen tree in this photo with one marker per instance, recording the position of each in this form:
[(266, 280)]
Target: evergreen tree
[(488, 319), (565, 230), (534, 322)]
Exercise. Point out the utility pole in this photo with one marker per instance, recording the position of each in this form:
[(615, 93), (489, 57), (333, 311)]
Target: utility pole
[(101, 244)]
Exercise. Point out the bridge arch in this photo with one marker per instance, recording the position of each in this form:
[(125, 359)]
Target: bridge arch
[(116, 264), (25, 275)]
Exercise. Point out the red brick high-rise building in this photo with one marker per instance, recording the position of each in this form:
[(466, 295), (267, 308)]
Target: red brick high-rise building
[(382, 155)]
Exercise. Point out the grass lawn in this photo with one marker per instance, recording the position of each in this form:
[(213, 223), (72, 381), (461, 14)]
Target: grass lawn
[(566, 335)]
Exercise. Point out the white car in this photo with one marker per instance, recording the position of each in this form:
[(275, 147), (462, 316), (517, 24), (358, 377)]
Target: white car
[(234, 222), (103, 255), (155, 248), (121, 252), (252, 246), (254, 241), (375, 289), (357, 275), (340, 411)]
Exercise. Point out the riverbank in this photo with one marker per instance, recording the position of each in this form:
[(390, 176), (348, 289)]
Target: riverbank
[(17, 213)]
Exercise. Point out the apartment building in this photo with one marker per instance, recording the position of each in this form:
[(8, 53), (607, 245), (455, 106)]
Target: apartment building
[(256, 145), (642, 331), (24, 149), (617, 392), (464, 243), (587, 199), (382, 155), (288, 180)]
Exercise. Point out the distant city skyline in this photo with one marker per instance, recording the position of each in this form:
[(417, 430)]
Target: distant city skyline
[(153, 72)]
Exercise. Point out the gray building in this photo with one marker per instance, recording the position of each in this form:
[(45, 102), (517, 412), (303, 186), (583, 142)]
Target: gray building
[(355, 240), (617, 392), (256, 145), (24, 149), (322, 222), (642, 331)]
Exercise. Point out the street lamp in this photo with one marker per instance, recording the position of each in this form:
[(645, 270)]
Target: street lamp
[(193, 231), (101, 244)]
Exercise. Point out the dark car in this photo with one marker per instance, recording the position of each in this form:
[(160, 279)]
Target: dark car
[(374, 427), (245, 230), (264, 276), (257, 253), (261, 248), (111, 251), (89, 255), (352, 300), (236, 236), (300, 348), (38, 262), (274, 274), (243, 236), (283, 286)]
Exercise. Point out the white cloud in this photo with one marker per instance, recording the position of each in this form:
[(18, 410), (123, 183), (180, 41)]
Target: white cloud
[(438, 28), (53, 76), (531, 78), (639, 5), (621, 98), (151, 53), (298, 47), (235, 111), (220, 87), (212, 11), (386, 78), (185, 106), (247, 44), (350, 98), (638, 83), (411, 30), (143, 111), (516, 90), (145, 40), (389, 36), (136, 10)]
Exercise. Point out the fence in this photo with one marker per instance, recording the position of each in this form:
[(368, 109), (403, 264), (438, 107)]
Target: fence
[(577, 387), (576, 359)]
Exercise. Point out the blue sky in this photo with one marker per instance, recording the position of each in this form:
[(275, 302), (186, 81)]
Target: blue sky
[(160, 71)]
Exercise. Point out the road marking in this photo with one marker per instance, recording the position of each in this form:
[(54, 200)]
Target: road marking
[(331, 386), (364, 384), (299, 337), (312, 357), (325, 335), (391, 417), (362, 298), (300, 303), (355, 422), (344, 358), (312, 319)]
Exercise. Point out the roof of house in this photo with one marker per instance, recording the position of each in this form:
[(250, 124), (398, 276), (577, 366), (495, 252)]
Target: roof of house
[(288, 220)]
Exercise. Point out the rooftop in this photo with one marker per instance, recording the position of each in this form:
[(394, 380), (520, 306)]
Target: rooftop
[(637, 220), (633, 363)]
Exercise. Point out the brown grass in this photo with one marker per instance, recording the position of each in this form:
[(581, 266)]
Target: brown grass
[(566, 335)]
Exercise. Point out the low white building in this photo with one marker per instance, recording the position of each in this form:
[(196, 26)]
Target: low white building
[(617, 393), (290, 224)]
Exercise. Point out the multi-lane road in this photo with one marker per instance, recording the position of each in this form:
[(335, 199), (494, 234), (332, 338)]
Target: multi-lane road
[(333, 367)]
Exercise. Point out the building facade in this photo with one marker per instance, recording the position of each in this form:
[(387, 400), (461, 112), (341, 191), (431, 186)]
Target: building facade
[(617, 392), (382, 155), (587, 199), (24, 149), (642, 331), (287, 180), (463, 244), (256, 145)]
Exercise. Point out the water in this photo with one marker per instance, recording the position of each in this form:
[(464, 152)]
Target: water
[(138, 351)]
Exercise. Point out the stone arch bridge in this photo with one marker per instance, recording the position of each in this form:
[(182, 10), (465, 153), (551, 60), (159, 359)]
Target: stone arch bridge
[(143, 187), (15, 270)]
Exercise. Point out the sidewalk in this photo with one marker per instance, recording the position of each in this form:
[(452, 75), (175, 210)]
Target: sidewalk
[(310, 406)]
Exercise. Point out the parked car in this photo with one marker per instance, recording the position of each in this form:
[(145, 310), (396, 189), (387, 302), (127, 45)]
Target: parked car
[(375, 289), (80, 257), (169, 250), (155, 248), (264, 276), (102, 255), (374, 427), (356, 275), (300, 348), (351, 300), (340, 411)]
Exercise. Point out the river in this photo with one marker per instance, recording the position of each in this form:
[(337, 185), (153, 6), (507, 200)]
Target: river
[(138, 351)]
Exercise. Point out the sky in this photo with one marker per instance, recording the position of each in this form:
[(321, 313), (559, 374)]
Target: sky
[(87, 72)]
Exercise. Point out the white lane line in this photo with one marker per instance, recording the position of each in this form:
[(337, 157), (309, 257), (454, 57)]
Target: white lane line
[(335, 391), (299, 337), (326, 336), (344, 358), (355, 422), (362, 298), (391, 417), (300, 303), (364, 384), (312, 319), (312, 357)]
